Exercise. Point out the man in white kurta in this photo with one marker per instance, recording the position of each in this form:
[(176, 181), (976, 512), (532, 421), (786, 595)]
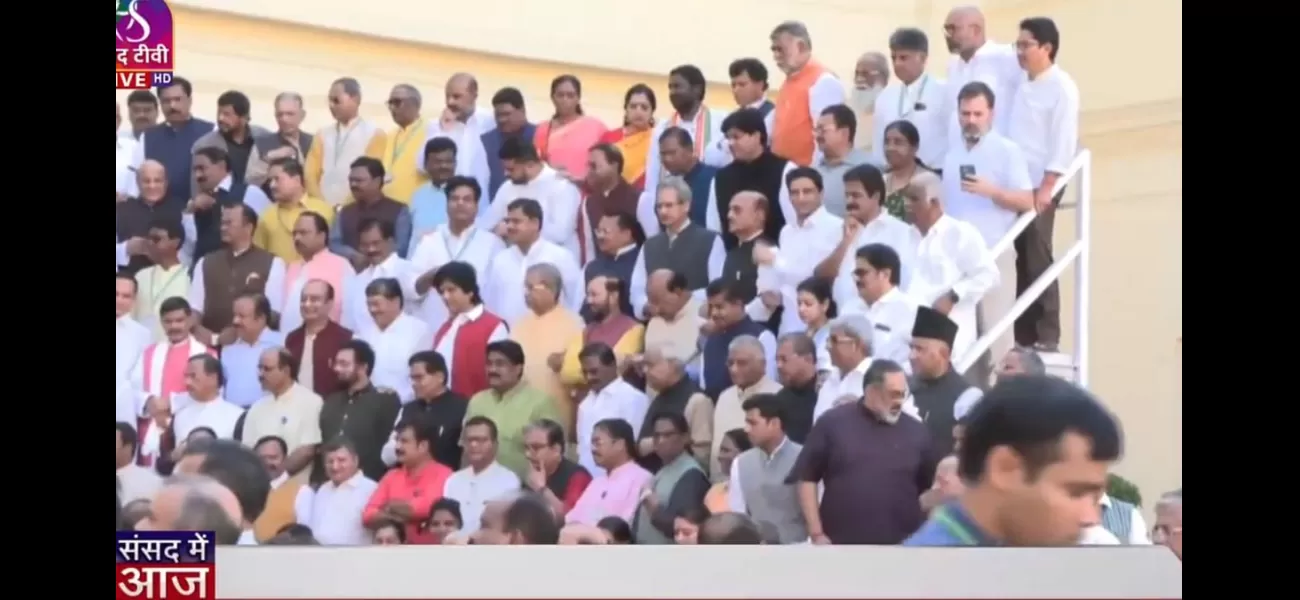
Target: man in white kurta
[(686, 87), (609, 396), (394, 336), (132, 337), (471, 158), (976, 58), (916, 97), (504, 293), (382, 263), (805, 242), (865, 222), (457, 240), (333, 511), (892, 313), (529, 177), (202, 405), (953, 268), (483, 479)]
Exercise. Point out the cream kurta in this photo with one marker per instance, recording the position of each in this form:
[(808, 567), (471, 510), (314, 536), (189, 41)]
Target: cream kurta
[(156, 285), (330, 159), (540, 337), (729, 414)]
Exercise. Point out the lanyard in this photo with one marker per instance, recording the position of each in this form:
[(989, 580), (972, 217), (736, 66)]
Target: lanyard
[(954, 527), (446, 242), (399, 149), (153, 284), (902, 97)]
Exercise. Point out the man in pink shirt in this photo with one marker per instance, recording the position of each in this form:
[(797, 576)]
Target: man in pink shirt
[(407, 493), (617, 491)]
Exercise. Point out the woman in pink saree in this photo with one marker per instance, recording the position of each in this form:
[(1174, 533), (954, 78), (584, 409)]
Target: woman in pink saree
[(566, 139)]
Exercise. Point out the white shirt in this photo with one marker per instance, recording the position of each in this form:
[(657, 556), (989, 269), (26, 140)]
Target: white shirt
[(716, 153), (447, 345), (1044, 122), (1096, 535), (838, 385), (637, 287), (925, 103), (892, 316), (559, 198), (274, 288), (714, 222), (802, 247), (333, 512), (138, 482), (247, 538), (128, 162), (474, 246), (132, 339), (504, 293), (997, 66), (394, 346), (356, 315), (475, 490), (884, 229), (471, 158), (996, 159), (618, 400), (952, 256), (254, 197), (1137, 533), (219, 415)]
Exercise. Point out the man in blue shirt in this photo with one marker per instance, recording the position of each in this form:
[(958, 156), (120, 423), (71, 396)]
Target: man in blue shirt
[(1034, 458)]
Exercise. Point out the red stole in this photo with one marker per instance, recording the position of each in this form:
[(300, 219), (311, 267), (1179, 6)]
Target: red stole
[(609, 332), (470, 355), (155, 357)]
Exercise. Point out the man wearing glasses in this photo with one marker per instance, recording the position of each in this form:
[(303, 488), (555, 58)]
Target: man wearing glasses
[(1168, 530)]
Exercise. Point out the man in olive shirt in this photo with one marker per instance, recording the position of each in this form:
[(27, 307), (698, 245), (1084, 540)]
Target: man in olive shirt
[(358, 411), (511, 403)]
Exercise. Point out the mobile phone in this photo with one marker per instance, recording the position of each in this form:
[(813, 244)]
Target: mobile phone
[(967, 171)]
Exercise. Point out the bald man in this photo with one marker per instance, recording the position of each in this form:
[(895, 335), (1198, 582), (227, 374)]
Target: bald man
[(195, 503), (129, 156), (675, 315), (976, 58), (463, 123), (138, 214)]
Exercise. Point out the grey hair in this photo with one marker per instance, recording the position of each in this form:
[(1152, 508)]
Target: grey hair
[(856, 326), (796, 30), (800, 343), (288, 96), (926, 184), (659, 353), (678, 186), (747, 342), (410, 89), (879, 369), (550, 275), (1031, 361), (880, 61), (350, 86), (201, 510), (1174, 498)]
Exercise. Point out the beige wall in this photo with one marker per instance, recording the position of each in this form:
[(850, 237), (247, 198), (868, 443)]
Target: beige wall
[(1132, 117)]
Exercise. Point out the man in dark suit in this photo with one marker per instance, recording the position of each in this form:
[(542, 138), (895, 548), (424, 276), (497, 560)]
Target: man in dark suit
[(318, 340)]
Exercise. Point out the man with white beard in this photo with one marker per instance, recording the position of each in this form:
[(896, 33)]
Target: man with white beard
[(870, 76)]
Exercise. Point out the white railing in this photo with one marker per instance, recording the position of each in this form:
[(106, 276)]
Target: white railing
[(1081, 169)]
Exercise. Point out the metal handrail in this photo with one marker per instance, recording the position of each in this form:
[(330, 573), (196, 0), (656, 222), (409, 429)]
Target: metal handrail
[(1081, 167)]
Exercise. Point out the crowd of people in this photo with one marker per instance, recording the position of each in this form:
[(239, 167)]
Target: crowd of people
[(694, 326)]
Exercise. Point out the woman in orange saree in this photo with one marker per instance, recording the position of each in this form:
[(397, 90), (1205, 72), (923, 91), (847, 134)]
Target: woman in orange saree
[(565, 140), (633, 138)]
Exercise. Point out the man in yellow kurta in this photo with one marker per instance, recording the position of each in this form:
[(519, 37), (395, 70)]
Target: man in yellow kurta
[(335, 147), (274, 232), (404, 144), (545, 332), (610, 324)]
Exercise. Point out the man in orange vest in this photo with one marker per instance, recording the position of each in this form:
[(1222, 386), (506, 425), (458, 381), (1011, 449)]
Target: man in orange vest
[(808, 89)]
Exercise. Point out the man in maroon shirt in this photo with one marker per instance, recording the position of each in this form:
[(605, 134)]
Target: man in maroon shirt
[(557, 480)]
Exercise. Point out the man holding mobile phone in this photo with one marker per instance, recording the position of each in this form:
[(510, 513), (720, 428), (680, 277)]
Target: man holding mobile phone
[(990, 189)]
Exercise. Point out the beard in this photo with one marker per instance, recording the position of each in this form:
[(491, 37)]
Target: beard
[(863, 100)]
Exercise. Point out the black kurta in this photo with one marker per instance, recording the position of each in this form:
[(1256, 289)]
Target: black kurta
[(873, 474), (443, 415), (366, 418), (935, 399), (799, 402)]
